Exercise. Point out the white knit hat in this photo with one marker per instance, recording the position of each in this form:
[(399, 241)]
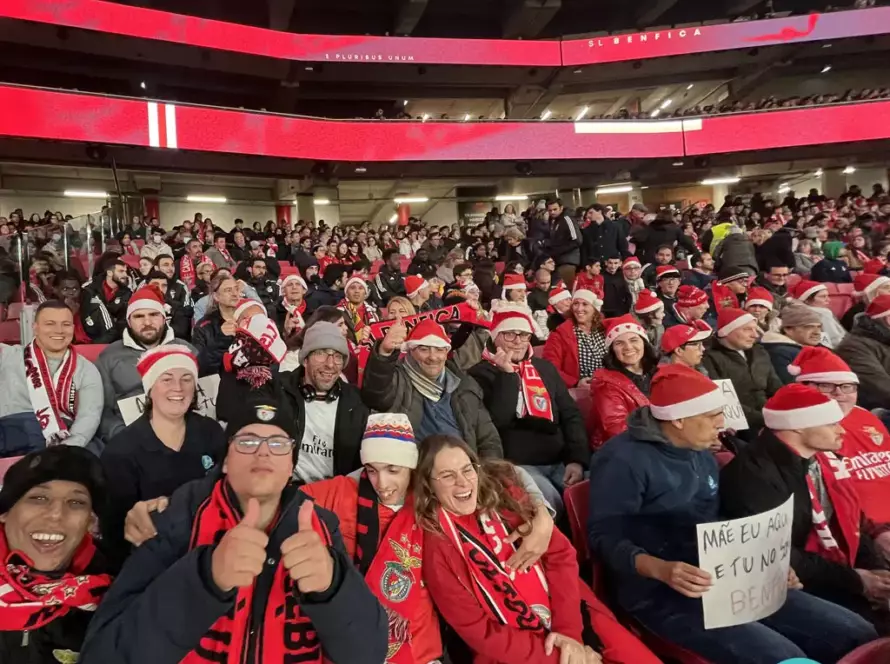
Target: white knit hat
[(155, 361), (389, 438), (357, 280)]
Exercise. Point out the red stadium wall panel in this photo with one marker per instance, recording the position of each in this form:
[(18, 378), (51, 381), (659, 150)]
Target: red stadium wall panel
[(726, 36), (152, 24), (68, 116)]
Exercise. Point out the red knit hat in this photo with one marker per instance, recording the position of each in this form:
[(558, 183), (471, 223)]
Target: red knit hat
[(678, 392), (156, 361), (815, 364), (874, 266), (666, 272), (414, 284), (690, 296), (805, 289), (631, 260), (148, 297), (511, 318), (678, 335), (879, 307), (760, 296), (647, 302), (731, 319), (615, 327), (428, 333), (797, 406), (866, 284), (558, 294)]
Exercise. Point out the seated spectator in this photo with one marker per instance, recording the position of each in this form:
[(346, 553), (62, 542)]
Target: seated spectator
[(191, 590), (146, 265), (667, 282), (649, 310), (355, 303), (631, 270), (218, 253), (804, 260), (702, 273), (154, 245), (539, 424), (514, 290), (417, 290), (816, 296), (50, 589), (399, 306), (67, 290), (456, 289), (559, 307), (664, 258), (691, 305), (257, 278), (177, 294), (684, 345), (622, 385), (736, 355), (330, 289), (617, 299), (759, 304), (168, 446), (833, 267), (291, 305), (104, 303), (867, 350), (201, 306), (800, 326), (576, 348), (792, 456), (389, 280), (51, 395), (649, 488), (205, 274), (774, 278), (428, 387), (590, 277), (188, 264), (455, 492), (867, 288), (730, 288), (216, 331)]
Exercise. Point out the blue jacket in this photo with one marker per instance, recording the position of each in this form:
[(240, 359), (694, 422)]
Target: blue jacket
[(647, 496), (832, 271)]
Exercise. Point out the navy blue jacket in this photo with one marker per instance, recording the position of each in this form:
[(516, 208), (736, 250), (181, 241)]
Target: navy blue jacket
[(647, 496), (165, 600)]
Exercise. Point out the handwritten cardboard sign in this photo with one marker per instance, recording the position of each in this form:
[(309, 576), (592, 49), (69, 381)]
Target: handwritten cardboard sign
[(748, 560), (732, 412), (132, 407)]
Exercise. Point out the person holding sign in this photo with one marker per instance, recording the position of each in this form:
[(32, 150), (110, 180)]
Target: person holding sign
[(244, 568), (649, 489), (168, 446), (833, 550)]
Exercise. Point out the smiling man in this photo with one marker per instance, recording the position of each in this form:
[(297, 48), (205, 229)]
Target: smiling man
[(52, 579), (49, 393)]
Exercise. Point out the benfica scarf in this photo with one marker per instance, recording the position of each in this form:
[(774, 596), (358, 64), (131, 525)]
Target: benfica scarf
[(282, 633), (296, 312), (388, 566), (456, 313), (521, 601), (257, 347), (360, 315), (225, 254), (52, 396), (187, 269), (847, 513), (30, 599), (534, 398), (723, 297)]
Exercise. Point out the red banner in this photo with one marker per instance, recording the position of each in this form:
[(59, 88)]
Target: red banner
[(456, 313)]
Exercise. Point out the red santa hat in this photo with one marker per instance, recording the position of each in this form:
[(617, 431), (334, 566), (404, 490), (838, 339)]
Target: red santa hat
[(647, 302), (678, 392), (428, 333), (805, 289), (290, 278), (679, 335), (879, 307), (631, 261), (244, 304), (866, 285), (874, 266), (760, 296), (615, 327), (588, 296), (815, 364), (513, 282), (730, 319), (690, 296), (148, 297), (797, 406), (558, 294), (414, 284), (156, 361), (357, 280), (666, 272), (511, 318)]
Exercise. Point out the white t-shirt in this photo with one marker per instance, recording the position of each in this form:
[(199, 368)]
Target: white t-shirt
[(316, 458)]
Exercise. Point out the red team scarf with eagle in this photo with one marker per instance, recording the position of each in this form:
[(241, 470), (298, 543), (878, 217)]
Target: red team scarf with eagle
[(535, 399), (53, 396)]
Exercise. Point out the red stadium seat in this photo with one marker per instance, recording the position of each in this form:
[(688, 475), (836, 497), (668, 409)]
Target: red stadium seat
[(575, 499), (499, 267), (845, 289), (131, 261), (10, 333), (287, 269), (724, 457), (14, 312), (831, 288), (793, 280), (90, 351), (5, 465), (839, 304), (876, 652)]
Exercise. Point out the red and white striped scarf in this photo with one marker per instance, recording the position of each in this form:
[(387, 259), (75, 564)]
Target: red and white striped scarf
[(821, 540), (52, 396), (535, 401)]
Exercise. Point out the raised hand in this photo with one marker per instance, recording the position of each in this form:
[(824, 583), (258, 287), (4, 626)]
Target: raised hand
[(305, 556), (138, 526), (240, 556), (502, 361), (394, 338)]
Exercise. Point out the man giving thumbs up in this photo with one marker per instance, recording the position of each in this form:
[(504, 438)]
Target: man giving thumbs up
[(305, 556)]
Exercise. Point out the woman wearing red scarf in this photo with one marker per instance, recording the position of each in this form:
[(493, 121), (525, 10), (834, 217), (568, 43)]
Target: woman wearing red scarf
[(51, 579), (361, 314), (472, 513)]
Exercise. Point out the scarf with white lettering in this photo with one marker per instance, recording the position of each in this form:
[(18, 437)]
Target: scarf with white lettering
[(187, 269), (257, 347), (53, 396), (847, 513), (534, 398), (361, 315)]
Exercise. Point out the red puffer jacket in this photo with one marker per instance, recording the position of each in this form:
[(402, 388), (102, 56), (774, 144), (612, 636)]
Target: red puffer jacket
[(561, 350), (614, 396)]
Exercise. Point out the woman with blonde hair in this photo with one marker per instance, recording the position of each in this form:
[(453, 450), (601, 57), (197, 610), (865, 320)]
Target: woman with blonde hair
[(503, 609), (399, 306)]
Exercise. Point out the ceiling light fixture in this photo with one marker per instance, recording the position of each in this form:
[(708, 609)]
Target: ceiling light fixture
[(546, 114), (361, 169), (197, 198), (826, 69), (411, 199), (615, 189), (466, 117), (726, 180), (426, 116), (690, 86), (582, 113), (666, 103), (322, 201), (818, 173), (678, 163), (849, 170), (511, 197), (142, 84), (309, 68), (405, 102), (79, 193), (654, 114), (393, 219)]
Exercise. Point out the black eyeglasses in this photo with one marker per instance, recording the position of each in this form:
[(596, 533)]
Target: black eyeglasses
[(830, 388), (249, 444)]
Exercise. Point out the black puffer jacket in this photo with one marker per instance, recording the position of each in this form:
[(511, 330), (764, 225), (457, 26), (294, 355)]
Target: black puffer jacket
[(867, 350), (661, 232), (211, 343)]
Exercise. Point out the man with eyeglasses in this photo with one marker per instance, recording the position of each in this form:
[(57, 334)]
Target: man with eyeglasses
[(539, 423), (330, 415), (243, 567), (774, 278)]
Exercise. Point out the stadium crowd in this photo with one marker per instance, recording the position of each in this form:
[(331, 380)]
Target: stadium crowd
[(415, 419)]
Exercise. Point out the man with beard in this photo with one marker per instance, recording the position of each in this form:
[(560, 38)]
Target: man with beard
[(146, 328), (178, 297), (104, 303), (266, 288), (389, 281), (330, 415), (194, 255)]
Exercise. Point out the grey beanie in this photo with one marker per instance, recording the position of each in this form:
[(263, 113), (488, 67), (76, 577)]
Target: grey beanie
[(322, 336), (796, 315)]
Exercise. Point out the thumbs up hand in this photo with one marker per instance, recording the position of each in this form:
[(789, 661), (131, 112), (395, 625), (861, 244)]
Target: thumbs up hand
[(394, 338), (239, 557), (305, 556)]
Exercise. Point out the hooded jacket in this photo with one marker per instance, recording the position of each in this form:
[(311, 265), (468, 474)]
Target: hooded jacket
[(867, 350), (736, 249), (782, 351)]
